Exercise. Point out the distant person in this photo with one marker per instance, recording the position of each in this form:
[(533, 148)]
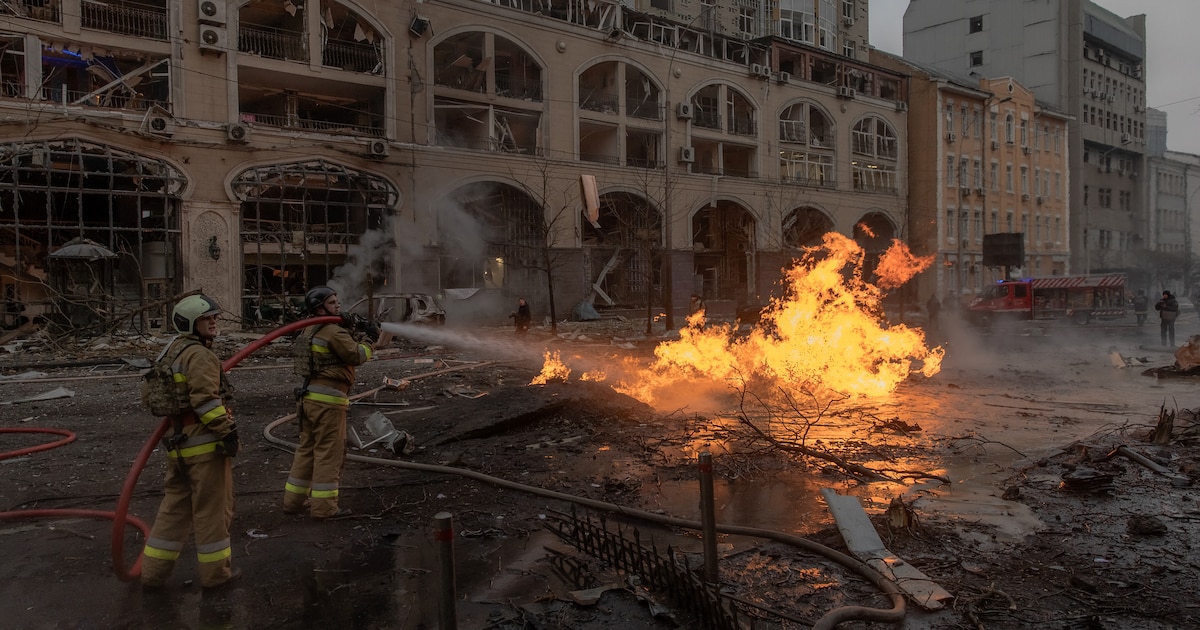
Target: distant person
[(1141, 305), (1168, 311), (521, 317), (934, 308), (696, 304)]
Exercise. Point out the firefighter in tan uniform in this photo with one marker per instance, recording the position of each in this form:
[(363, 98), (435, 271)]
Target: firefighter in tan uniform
[(326, 356), (200, 448)]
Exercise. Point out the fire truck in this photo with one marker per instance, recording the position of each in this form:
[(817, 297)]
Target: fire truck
[(1078, 299)]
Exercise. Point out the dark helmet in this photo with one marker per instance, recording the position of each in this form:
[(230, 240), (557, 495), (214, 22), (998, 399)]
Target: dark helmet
[(191, 308), (316, 297)]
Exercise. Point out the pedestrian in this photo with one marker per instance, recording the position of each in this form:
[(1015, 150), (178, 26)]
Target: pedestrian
[(198, 492), (325, 355), (1141, 305), (521, 317), (1168, 311), (933, 307)]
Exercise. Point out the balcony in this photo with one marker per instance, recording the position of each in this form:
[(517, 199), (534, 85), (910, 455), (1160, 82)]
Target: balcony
[(493, 145), (603, 102), (309, 124), (707, 119), (272, 43), (351, 56), (743, 126), (135, 20), (642, 108), (32, 9), (104, 100)]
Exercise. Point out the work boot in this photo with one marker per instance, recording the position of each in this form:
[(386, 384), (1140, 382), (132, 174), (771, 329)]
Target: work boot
[(234, 574), (338, 514)]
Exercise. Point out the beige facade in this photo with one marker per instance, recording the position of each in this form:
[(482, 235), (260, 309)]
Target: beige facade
[(254, 150), (984, 159)]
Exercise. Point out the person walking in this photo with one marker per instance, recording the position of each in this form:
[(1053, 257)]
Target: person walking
[(934, 308), (1141, 306), (522, 317), (326, 356), (198, 492), (1168, 312)]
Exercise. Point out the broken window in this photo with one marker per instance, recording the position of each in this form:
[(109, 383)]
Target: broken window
[(348, 41), (491, 237), (338, 108), (805, 227), (45, 10), (12, 67), (117, 210), (273, 29), (120, 80), (723, 238), (299, 221), (623, 250), (875, 146)]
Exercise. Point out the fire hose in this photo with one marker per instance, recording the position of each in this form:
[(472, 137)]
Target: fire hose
[(120, 517), (827, 622)]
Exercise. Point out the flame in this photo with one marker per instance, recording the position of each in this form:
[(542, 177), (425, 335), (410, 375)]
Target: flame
[(823, 336), (898, 265), (553, 369)]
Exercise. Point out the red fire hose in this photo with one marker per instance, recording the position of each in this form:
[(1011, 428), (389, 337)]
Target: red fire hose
[(120, 516)]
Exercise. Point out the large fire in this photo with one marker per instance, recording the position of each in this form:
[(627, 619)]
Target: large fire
[(823, 337)]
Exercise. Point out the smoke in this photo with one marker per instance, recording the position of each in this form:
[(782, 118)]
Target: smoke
[(366, 262)]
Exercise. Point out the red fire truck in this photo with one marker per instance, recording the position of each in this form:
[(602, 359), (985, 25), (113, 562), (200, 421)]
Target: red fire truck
[(1078, 299)]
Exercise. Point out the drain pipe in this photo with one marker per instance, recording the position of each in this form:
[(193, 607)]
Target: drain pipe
[(829, 621)]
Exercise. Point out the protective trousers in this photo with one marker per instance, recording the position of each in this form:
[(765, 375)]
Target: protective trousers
[(317, 466), (199, 493)]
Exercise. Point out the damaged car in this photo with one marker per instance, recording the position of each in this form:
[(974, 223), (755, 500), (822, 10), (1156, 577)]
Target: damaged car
[(401, 308)]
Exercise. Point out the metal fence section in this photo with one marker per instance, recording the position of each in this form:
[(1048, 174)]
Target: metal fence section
[(625, 552)]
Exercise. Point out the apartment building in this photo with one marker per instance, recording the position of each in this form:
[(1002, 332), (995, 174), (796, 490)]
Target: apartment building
[(253, 150), (1080, 59), (984, 159)]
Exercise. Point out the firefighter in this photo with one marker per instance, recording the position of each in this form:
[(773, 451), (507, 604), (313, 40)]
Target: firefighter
[(326, 356), (198, 493)]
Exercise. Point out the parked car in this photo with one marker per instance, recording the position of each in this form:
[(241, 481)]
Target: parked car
[(401, 308)]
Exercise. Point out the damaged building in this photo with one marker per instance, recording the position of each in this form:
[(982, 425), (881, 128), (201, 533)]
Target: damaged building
[(253, 150)]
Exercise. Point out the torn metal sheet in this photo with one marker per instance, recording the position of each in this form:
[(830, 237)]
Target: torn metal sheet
[(24, 376), (53, 394), (864, 543)]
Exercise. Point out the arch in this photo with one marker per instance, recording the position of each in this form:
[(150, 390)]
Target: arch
[(875, 152), (807, 143), (723, 106), (625, 250), (723, 250), (491, 234), (299, 223), (806, 226), (122, 207)]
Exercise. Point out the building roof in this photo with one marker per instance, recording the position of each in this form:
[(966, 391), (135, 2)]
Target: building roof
[(1113, 30)]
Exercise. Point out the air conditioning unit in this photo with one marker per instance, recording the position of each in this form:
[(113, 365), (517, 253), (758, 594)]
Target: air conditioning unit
[(1025, 149), (995, 144), (683, 111), (981, 192), (160, 124), (965, 191), (211, 12), (951, 136), (901, 106), (756, 70), (1041, 200), (237, 132), (687, 154), (1024, 196), (766, 73), (213, 39), (846, 92), (1125, 138), (1112, 97), (784, 77), (847, 21), (1137, 108), (377, 148)]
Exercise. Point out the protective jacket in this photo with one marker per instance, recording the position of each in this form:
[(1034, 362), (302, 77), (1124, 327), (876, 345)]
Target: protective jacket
[(316, 472), (198, 491)]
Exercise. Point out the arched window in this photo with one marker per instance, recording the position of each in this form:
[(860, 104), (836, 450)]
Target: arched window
[(806, 151), (875, 148), (1008, 129)]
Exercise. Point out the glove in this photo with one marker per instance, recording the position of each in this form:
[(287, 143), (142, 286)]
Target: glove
[(371, 330), (349, 321), (230, 444)]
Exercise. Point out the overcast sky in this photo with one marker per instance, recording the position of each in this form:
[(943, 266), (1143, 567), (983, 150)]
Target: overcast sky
[(1171, 65)]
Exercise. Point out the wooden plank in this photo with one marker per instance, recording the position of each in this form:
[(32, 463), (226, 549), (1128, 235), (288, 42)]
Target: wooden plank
[(864, 542)]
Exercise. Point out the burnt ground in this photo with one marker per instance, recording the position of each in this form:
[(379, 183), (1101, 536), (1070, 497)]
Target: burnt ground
[(1114, 545)]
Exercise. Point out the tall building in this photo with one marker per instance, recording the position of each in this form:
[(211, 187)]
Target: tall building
[(1082, 60), (984, 159), (255, 149)]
